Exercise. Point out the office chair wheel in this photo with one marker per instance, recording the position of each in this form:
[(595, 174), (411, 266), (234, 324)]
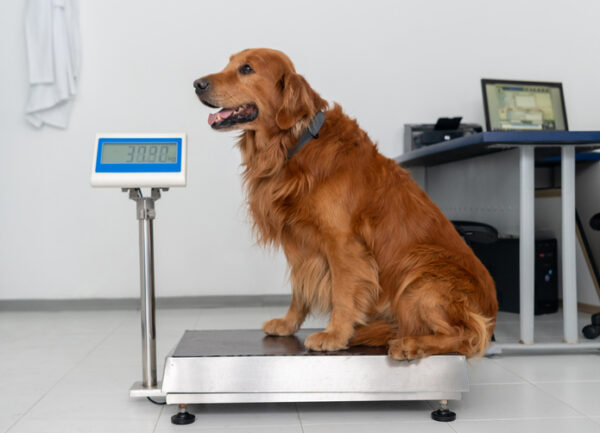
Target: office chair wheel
[(592, 331), (595, 222)]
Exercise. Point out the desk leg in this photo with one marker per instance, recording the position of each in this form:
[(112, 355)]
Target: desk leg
[(527, 244), (569, 276)]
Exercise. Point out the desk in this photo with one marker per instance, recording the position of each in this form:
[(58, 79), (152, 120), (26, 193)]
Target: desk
[(548, 143)]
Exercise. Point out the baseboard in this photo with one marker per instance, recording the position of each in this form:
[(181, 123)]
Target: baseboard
[(583, 307), (134, 303), (588, 308)]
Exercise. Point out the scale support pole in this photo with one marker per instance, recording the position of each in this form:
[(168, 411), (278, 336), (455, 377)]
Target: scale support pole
[(145, 216)]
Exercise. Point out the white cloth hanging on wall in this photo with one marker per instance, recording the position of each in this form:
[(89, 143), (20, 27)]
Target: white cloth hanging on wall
[(54, 53)]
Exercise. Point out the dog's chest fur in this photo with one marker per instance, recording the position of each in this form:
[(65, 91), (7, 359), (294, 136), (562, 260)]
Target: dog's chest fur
[(278, 196), (275, 208)]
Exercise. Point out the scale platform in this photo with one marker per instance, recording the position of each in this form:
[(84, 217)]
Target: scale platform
[(246, 366)]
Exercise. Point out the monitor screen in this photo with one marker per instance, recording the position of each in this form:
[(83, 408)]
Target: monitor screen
[(523, 106)]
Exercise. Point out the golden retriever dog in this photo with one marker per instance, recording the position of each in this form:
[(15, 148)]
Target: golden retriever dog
[(363, 241)]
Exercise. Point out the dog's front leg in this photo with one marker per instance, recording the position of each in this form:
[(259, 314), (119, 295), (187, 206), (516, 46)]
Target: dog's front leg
[(354, 288), (290, 323)]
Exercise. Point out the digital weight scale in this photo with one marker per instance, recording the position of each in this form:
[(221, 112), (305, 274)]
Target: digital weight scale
[(246, 366)]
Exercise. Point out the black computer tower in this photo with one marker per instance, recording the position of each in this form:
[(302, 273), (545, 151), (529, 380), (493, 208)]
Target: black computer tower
[(501, 258)]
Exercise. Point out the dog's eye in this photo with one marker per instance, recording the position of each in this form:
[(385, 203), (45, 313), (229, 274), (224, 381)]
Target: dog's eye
[(245, 70)]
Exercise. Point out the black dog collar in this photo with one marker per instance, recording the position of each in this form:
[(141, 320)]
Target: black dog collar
[(312, 132)]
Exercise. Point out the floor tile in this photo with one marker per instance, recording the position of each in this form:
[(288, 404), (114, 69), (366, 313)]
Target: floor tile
[(506, 317), (6, 421), (553, 368), (236, 415), (13, 406), (169, 320), (363, 412), (199, 427), (377, 427), (33, 364), (80, 425), (232, 318), (487, 371), (55, 349), (71, 372), (124, 351), (583, 396), (547, 327), (563, 425), (31, 380), (509, 401), (27, 323), (544, 332), (87, 379), (60, 405)]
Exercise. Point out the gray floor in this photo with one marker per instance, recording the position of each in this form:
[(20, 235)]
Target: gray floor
[(71, 371)]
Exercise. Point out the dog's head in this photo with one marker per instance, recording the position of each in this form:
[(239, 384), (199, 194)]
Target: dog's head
[(258, 89)]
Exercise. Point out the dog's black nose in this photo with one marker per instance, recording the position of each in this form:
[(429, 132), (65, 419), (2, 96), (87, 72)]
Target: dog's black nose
[(201, 84)]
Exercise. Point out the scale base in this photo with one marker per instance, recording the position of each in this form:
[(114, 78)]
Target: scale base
[(246, 366), (138, 390)]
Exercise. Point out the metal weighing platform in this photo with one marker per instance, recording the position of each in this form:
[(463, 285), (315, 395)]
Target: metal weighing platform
[(246, 366)]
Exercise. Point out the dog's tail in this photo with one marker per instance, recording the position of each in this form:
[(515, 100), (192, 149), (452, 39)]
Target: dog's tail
[(480, 333), (377, 333)]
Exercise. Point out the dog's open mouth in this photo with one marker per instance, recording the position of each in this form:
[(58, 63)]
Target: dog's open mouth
[(231, 116)]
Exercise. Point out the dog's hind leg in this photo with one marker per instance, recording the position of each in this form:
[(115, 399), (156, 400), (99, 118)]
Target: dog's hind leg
[(467, 340), (435, 319)]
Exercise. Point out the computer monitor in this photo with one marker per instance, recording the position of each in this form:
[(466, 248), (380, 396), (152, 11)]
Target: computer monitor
[(523, 106)]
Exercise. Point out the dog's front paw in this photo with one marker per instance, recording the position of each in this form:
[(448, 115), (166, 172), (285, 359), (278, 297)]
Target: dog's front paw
[(279, 327), (325, 341)]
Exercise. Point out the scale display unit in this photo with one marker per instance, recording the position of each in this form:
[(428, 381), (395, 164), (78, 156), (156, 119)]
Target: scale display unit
[(247, 366)]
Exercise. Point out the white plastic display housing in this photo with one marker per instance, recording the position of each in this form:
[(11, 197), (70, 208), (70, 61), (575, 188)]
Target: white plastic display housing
[(144, 179)]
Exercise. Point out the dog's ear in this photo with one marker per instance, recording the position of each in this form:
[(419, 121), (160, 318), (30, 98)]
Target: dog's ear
[(299, 101)]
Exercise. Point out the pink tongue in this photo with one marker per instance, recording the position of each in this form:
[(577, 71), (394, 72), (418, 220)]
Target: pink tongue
[(223, 114)]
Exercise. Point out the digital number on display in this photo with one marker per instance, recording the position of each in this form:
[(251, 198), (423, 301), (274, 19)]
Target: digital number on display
[(139, 153)]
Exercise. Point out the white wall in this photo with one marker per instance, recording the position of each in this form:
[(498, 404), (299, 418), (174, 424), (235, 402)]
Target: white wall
[(387, 62)]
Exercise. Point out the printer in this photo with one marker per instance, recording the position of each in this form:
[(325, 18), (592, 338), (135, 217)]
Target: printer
[(417, 135)]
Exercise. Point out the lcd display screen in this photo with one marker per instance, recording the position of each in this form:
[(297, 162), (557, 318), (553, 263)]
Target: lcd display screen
[(139, 153)]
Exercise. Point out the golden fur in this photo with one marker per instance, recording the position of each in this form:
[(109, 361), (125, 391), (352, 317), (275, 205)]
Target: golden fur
[(362, 240)]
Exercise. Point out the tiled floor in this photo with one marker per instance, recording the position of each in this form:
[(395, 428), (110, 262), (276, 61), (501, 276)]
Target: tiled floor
[(63, 372)]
